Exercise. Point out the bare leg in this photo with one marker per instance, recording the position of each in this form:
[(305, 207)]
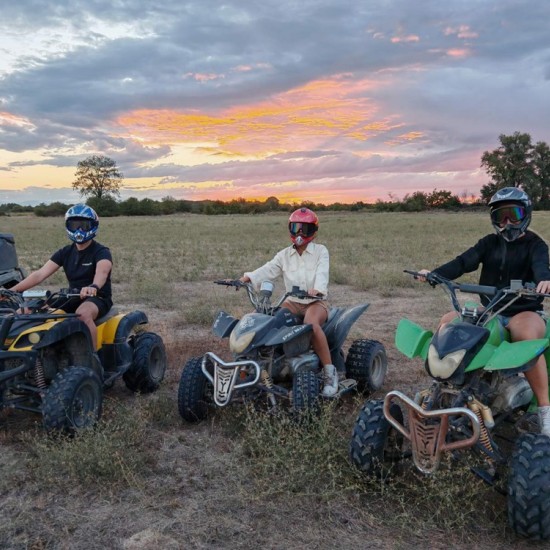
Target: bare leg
[(316, 315), (88, 312), (528, 325)]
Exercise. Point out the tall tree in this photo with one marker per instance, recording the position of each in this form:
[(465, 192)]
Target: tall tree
[(509, 165), (98, 176)]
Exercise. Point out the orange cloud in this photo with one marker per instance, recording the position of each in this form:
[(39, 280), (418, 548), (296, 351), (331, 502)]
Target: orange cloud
[(301, 118), (408, 38)]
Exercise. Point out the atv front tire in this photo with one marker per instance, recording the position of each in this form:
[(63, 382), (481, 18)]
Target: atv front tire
[(305, 391), (148, 363), (193, 392), (367, 363), (376, 446), (73, 400), (529, 487)]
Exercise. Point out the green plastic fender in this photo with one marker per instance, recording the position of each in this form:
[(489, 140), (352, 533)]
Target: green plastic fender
[(412, 340), (511, 355)]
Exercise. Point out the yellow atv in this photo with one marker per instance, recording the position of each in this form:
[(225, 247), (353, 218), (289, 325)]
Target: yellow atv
[(48, 364)]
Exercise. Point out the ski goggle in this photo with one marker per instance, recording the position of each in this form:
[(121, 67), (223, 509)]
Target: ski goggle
[(512, 213), (74, 224), (307, 229)]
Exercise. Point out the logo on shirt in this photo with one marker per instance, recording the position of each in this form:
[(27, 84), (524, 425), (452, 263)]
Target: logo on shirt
[(86, 265)]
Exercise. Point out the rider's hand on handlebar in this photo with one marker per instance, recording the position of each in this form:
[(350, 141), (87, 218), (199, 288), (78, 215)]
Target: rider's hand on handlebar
[(421, 276), (543, 287), (315, 293), (88, 292)]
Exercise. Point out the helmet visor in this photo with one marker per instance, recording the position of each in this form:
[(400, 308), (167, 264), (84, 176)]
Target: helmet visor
[(512, 213), (306, 229), (74, 224)]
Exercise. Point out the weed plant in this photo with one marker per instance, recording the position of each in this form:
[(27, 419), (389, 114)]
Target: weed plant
[(113, 452)]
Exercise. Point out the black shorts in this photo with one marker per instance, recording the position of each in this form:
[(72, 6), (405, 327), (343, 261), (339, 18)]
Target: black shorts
[(70, 305)]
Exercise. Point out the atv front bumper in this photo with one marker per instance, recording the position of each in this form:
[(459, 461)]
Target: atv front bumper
[(226, 376), (428, 431)]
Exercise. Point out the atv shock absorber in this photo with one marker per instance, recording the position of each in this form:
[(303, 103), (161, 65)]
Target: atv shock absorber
[(268, 383), (38, 374), (482, 412)]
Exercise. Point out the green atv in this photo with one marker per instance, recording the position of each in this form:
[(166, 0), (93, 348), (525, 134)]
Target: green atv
[(48, 364), (479, 401)]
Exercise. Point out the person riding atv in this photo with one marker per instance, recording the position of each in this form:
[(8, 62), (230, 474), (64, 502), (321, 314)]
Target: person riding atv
[(87, 265), (273, 364), (59, 351), (305, 265), (513, 253)]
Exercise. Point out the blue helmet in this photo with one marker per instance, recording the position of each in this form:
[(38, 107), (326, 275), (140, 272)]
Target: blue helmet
[(81, 223)]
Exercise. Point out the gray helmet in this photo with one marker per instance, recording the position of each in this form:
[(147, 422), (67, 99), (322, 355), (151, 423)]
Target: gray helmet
[(514, 206)]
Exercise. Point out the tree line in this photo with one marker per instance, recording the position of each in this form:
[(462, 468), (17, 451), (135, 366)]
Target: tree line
[(516, 162)]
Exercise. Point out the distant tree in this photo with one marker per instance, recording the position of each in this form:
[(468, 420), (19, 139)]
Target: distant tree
[(106, 206), (53, 209), (442, 199), (98, 176), (519, 163)]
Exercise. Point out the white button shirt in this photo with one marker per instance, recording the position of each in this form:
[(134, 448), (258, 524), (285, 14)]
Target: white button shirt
[(308, 271)]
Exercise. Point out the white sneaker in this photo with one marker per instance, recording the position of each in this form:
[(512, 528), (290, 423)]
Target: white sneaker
[(544, 420), (330, 377)]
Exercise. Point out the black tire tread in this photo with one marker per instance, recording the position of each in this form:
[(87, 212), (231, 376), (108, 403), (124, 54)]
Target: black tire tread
[(529, 487), (359, 361), (305, 391), (138, 377), (192, 405), (369, 436), (59, 396)]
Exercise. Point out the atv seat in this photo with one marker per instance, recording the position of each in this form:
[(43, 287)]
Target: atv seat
[(110, 314)]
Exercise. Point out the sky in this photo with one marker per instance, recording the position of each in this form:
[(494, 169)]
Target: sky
[(319, 100)]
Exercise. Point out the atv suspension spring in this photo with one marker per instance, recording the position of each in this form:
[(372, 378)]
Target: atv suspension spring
[(268, 383), (266, 379), (484, 439), (38, 374)]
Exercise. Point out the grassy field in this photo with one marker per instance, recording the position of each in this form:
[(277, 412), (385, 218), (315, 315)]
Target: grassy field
[(145, 479)]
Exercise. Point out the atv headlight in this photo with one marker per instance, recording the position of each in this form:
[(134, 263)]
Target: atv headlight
[(445, 367), (29, 339), (239, 344)]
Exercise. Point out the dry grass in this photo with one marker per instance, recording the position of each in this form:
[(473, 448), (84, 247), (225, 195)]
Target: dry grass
[(145, 479)]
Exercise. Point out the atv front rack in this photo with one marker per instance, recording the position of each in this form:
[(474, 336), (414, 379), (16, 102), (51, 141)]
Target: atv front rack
[(428, 430), (226, 376)]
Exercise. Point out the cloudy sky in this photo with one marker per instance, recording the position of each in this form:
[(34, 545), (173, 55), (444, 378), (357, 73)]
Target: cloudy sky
[(324, 100)]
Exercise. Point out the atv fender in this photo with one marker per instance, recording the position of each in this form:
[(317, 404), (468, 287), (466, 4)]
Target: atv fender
[(61, 331), (412, 340), (337, 327), (516, 354), (116, 352), (224, 324)]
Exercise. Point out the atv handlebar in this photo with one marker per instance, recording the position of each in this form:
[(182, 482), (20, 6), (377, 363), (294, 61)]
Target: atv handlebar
[(32, 300), (261, 300), (501, 298)]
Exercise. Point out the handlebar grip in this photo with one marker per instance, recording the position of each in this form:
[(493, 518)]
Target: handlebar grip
[(477, 289)]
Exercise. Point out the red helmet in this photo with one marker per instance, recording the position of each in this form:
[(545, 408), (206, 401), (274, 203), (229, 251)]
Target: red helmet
[(303, 225)]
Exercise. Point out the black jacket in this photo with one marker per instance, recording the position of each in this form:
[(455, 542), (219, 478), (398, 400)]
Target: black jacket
[(525, 259)]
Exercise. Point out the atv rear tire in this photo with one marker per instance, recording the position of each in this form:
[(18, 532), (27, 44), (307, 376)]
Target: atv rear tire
[(376, 446), (529, 487), (148, 363), (73, 400), (193, 394), (305, 391), (367, 363)]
